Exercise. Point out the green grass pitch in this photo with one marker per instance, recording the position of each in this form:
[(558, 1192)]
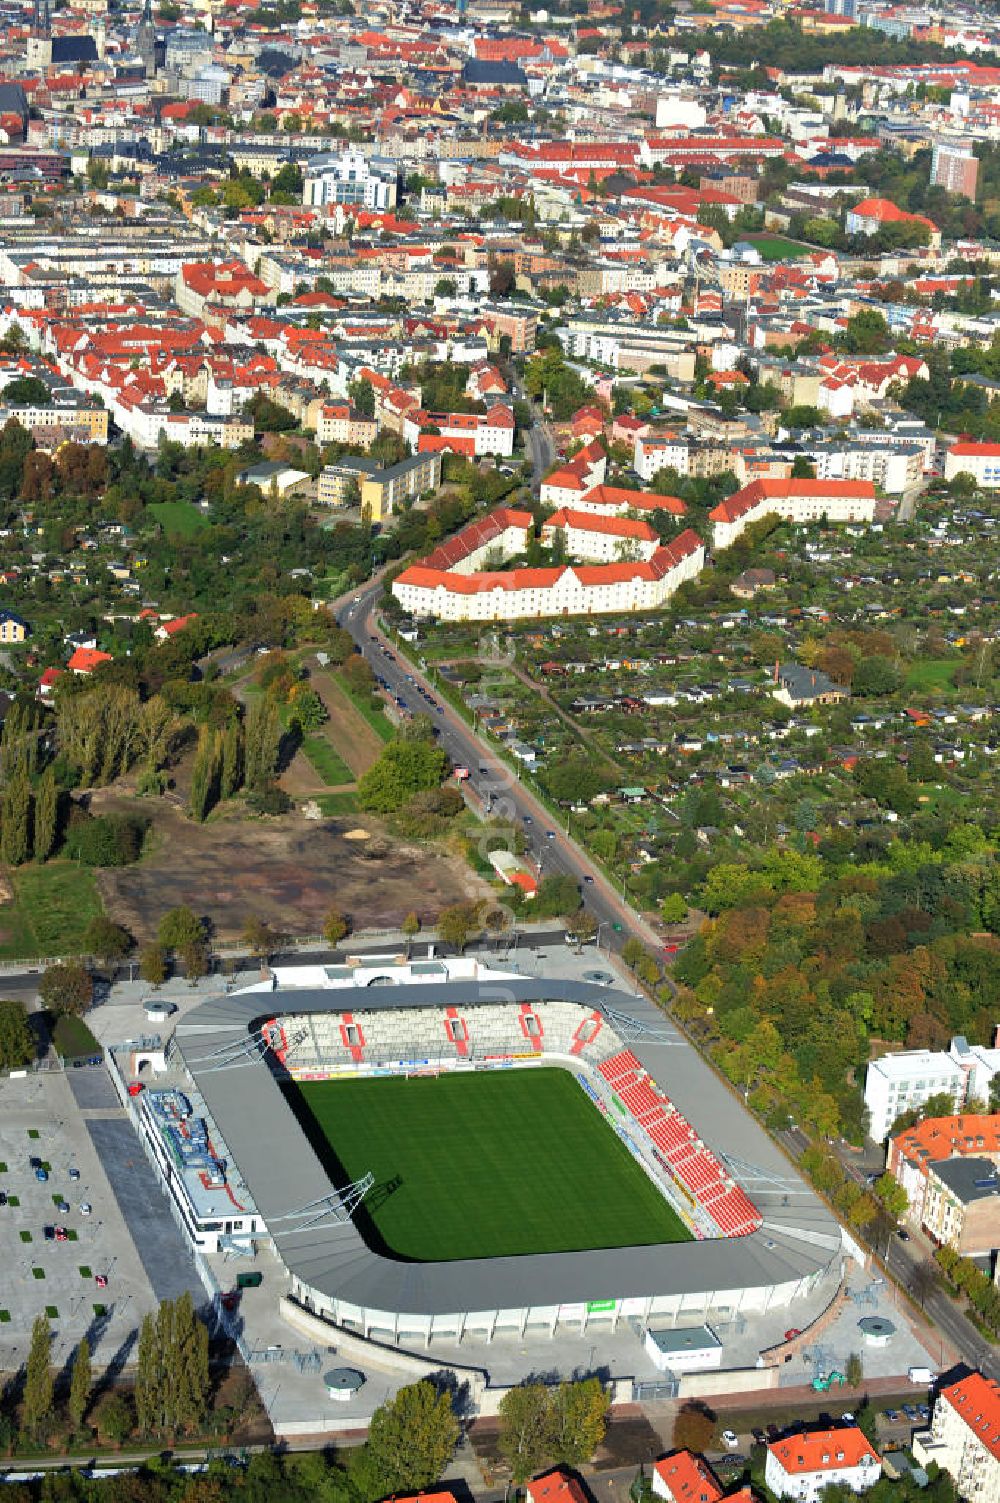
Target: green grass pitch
[(483, 1165)]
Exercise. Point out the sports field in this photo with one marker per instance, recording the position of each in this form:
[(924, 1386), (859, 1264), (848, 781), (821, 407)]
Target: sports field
[(484, 1165)]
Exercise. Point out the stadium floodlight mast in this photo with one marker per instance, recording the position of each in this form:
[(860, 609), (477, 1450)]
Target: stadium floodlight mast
[(629, 1029), (340, 1205), (752, 1174), (242, 1050)]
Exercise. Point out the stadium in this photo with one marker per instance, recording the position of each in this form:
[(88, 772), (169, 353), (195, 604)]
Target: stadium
[(437, 1152)]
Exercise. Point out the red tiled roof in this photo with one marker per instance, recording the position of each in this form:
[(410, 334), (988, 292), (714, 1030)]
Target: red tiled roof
[(822, 1450), (977, 1400), (758, 491), (687, 1478), (86, 659)]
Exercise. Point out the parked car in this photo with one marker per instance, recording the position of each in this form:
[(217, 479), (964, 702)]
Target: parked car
[(85, 1208), (49, 1233), (62, 1206), (61, 1234), (730, 1440)]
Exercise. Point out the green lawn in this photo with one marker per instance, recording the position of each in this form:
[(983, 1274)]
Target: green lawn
[(484, 1165), (332, 804), (776, 247), (331, 767), (53, 904), (178, 517), (363, 704), (931, 674), (72, 1037)]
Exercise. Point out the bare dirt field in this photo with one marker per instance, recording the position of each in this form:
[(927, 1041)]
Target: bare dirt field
[(288, 871), (347, 730)]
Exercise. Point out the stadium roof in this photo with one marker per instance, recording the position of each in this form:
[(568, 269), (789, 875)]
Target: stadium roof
[(798, 1238)]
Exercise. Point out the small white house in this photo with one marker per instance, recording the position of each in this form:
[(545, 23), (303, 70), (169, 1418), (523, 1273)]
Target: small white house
[(801, 1466)]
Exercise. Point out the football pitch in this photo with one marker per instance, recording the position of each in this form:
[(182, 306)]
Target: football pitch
[(483, 1165)]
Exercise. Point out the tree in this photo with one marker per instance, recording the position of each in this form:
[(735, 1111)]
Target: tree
[(411, 928), (180, 928), (455, 925), (405, 767), (581, 926), (854, 1372), (115, 1418), (259, 938), (335, 927), (410, 1441), (172, 1376), (106, 939), (15, 819), (892, 1195), (193, 958), (66, 987), (261, 743), (79, 1385), (46, 815), (578, 1419), (39, 1381), (525, 1428), (231, 762), (153, 964), (17, 1047), (205, 775), (694, 1427), (673, 909), (633, 951)]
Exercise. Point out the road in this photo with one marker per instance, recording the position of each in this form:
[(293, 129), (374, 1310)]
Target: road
[(497, 790)]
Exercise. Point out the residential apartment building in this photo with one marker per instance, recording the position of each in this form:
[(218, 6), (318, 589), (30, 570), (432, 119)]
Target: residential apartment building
[(948, 1167), (980, 461), (954, 167), (801, 1466), (477, 435), (340, 423), (794, 501), (600, 538), (964, 1437), (897, 1082), (559, 590), (382, 491), (893, 469)]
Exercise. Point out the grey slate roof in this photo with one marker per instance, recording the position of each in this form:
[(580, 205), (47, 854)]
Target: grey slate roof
[(799, 1236)]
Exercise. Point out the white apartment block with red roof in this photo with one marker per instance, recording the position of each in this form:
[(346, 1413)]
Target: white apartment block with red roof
[(801, 1466), (793, 501), (980, 461), (472, 433), (448, 594), (601, 538), (964, 1437)]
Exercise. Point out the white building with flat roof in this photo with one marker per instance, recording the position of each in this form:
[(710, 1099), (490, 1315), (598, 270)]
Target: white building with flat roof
[(898, 1082)]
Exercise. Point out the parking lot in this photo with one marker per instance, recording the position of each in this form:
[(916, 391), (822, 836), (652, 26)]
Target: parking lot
[(79, 1266)]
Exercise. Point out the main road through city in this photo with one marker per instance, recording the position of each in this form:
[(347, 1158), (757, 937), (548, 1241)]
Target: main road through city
[(492, 784)]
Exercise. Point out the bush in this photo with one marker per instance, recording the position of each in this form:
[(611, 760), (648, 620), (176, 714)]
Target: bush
[(108, 840), (271, 800)]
